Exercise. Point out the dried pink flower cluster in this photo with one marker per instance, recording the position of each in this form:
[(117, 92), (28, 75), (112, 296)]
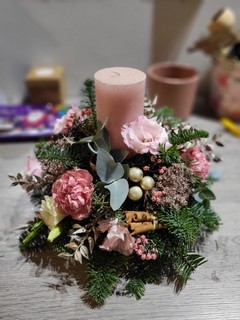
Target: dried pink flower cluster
[(143, 248), (65, 123), (173, 186), (72, 193)]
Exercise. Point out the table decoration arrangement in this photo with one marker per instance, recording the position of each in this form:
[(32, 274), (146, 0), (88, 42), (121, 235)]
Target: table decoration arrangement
[(122, 189)]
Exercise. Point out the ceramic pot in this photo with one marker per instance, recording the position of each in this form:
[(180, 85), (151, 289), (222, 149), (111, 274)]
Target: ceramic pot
[(174, 85)]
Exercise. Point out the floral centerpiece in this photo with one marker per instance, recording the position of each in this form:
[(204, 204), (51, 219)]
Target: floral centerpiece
[(138, 214)]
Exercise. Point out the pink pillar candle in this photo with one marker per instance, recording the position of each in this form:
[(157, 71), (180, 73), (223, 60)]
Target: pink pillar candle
[(120, 98)]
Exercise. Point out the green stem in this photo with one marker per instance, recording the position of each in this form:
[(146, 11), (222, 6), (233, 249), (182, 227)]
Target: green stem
[(33, 233)]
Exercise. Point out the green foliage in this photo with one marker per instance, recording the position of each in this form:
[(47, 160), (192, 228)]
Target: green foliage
[(69, 155), (103, 274), (135, 287), (88, 92), (165, 116), (35, 237), (186, 135), (170, 155), (210, 220), (182, 224), (111, 173), (186, 266), (101, 284)]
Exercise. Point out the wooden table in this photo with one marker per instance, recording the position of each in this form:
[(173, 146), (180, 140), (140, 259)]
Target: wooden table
[(30, 290)]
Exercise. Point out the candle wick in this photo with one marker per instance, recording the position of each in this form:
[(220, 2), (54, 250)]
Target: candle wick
[(117, 73)]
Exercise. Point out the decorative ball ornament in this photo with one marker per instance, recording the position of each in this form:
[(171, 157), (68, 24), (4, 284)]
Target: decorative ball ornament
[(135, 174), (135, 193), (147, 183)]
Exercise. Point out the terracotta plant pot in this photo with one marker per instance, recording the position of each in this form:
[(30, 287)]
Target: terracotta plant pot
[(174, 85)]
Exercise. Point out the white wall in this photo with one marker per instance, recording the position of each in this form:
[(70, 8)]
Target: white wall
[(86, 35), (81, 35)]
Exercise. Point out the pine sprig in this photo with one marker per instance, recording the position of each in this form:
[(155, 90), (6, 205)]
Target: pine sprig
[(183, 225), (101, 284), (170, 155), (88, 92), (210, 220), (103, 275), (186, 135), (135, 287), (185, 267), (71, 155)]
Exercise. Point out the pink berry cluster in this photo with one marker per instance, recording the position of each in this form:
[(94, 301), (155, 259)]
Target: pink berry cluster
[(155, 165), (144, 248)]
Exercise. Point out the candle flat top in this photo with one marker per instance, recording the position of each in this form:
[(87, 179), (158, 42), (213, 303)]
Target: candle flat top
[(120, 76)]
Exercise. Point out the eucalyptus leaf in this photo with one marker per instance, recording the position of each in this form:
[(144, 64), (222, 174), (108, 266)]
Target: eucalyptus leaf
[(119, 155), (118, 193), (206, 194), (86, 139), (101, 138), (107, 169), (197, 198)]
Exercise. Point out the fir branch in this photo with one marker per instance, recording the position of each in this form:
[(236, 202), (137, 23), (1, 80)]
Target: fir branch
[(186, 266), (67, 155), (186, 135), (103, 273), (170, 155), (88, 91), (101, 284), (209, 219), (182, 224), (135, 287)]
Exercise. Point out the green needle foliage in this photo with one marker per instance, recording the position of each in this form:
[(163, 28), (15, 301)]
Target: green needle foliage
[(186, 135), (103, 274), (135, 287)]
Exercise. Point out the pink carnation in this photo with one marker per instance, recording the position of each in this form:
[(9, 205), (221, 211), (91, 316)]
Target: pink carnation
[(144, 135), (33, 166), (72, 193), (118, 237), (197, 161)]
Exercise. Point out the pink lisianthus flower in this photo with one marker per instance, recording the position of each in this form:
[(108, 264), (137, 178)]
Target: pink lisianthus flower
[(144, 135), (197, 161), (118, 237), (33, 166), (65, 123), (72, 193)]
